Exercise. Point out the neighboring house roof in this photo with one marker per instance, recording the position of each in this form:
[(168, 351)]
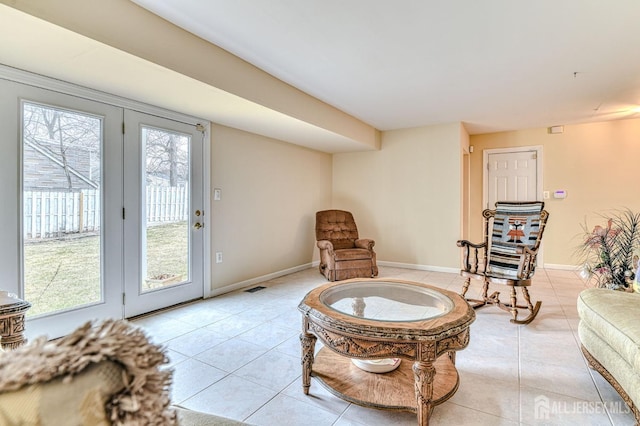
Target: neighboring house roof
[(45, 169)]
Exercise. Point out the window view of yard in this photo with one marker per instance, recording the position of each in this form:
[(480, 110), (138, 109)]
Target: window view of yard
[(167, 255), (64, 273)]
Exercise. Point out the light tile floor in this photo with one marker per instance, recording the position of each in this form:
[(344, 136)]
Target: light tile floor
[(238, 355)]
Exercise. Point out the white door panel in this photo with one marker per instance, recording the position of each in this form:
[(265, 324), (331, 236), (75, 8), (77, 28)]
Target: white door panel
[(164, 213), (62, 192), (512, 176)]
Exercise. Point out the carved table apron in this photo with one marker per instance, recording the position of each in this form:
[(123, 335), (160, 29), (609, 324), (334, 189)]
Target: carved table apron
[(421, 340)]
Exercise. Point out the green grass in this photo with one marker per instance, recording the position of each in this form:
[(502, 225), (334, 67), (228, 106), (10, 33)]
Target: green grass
[(64, 273), (168, 250)]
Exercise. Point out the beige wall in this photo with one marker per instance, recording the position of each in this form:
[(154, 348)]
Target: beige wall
[(595, 163), (264, 222), (407, 196)]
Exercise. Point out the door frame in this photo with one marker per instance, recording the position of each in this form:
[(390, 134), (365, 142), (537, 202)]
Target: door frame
[(485, 169)]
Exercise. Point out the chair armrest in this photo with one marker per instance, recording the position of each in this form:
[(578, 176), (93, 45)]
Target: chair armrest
[(365, 243), (471, 255), (463, 243), (325, 245), (526, 250)]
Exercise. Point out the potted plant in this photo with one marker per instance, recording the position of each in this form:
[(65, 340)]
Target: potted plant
[(610, 254), (162, 280)]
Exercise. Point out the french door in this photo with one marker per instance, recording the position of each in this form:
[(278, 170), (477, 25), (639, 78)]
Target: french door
[(163, 248), (81, 180)]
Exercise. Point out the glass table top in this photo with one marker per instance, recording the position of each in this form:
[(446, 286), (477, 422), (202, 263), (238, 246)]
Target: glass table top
[(387, 301)]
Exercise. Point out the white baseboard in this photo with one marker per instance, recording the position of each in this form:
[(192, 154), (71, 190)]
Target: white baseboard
[(456, 270), (315, 263), (562, 267), (257, 280), (418, 267)]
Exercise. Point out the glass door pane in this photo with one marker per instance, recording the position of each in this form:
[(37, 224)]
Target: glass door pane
[(166, 208), (62, 189)]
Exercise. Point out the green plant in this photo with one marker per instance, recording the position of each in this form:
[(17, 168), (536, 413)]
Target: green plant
[(607, 253)]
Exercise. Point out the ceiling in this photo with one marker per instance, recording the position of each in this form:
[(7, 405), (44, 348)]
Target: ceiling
[(98, 70), (494, 65)]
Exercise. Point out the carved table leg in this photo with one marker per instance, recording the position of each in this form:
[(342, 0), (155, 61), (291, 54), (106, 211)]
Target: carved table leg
[(308, 343), (424, 373)]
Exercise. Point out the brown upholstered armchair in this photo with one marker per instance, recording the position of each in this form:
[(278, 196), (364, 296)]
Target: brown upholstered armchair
[(343, 254)]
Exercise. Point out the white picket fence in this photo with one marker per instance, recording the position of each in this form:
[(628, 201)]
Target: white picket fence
[(167, 204), (49, 214)]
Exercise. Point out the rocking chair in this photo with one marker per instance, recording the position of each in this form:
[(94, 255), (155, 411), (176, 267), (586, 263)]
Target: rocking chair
[(512, 236)]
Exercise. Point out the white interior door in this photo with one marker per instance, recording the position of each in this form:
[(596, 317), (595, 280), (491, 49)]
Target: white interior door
[(61, 197), (164, 215), (512, 176)]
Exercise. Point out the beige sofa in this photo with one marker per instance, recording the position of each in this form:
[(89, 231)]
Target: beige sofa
[(105, 373), (609, 331)]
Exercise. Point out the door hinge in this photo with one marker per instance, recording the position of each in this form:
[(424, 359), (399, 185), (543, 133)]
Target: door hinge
[(535, 156), (123, 298), (123, 127), (123, 213)]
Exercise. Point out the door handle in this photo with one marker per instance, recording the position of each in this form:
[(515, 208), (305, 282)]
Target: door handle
[(198, 225)]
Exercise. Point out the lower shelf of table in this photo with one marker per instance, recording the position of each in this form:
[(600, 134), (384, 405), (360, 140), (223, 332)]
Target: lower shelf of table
[(392, 391)]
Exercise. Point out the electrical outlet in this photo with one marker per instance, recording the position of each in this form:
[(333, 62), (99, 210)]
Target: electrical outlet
[(545, 195), (218, 257)]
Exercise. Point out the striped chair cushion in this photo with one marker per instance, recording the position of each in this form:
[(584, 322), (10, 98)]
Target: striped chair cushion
[(514, 224)]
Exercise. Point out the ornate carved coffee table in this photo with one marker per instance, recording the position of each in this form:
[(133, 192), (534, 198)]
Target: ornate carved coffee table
[(385, 318)]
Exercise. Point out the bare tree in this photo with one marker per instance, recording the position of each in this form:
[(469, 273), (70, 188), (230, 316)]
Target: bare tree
[(71, 140), (167, 155)]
